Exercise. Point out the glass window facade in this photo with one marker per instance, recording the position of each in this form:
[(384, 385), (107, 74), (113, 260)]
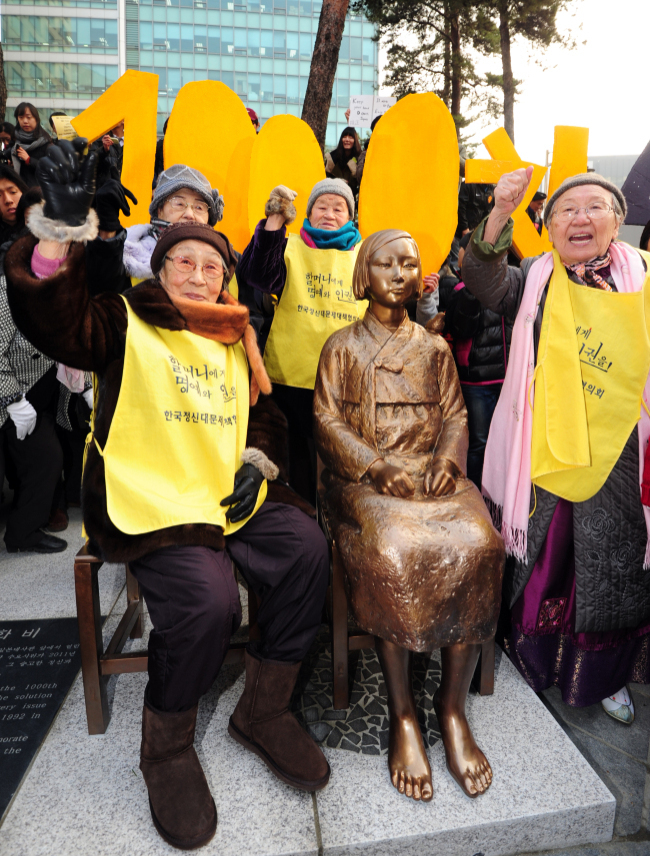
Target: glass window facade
[(51, 31), (78, 4), (28, 80), (40, 33), (260, 50)]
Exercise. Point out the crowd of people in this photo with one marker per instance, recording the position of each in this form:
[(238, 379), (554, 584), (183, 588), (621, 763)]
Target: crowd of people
[(189, 376)]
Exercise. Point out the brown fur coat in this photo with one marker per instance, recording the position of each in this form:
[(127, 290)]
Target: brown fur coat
[(58, 316)]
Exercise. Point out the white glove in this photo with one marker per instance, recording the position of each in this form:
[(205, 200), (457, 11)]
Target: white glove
[(88, 397), (23, 416)]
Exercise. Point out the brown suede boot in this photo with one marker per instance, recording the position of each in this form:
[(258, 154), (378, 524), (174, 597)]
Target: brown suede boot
[(263, 723), (181, 804)]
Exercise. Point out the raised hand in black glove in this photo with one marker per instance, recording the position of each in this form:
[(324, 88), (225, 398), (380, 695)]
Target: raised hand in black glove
[(248, 481), (67, 182), (110, 199)]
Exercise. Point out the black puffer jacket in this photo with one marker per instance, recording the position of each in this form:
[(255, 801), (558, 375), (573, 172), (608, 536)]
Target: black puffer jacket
[(487, 356), (475, 201)]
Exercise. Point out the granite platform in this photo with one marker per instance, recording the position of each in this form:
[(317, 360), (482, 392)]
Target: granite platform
[(86, 794)]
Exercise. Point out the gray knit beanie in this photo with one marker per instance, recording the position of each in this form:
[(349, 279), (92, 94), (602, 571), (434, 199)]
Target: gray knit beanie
[(578, 181), (331, 185), (179, 176)]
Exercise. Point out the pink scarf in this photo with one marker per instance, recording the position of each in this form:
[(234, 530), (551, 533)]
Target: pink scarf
[(506, 474)]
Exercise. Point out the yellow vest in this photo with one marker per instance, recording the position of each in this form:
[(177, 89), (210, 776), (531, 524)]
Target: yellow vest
[(178, 431), (592, 365), (317, 300)]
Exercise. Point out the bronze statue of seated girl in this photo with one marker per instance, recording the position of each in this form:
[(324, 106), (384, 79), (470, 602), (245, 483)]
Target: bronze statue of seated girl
[(423, 562)]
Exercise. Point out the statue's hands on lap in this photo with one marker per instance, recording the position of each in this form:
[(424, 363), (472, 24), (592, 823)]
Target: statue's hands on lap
[(440, 478), (393, 481)]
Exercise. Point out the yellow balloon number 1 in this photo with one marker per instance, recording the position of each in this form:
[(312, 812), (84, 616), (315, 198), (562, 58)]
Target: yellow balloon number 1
[(132, 98)]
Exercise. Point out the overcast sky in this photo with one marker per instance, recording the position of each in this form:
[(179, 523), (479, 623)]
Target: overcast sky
[(602, 85)]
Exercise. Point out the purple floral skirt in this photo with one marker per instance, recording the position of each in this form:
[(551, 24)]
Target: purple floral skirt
[(542, 644)]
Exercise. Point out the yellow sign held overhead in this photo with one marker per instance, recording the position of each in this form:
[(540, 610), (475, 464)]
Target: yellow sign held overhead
[(63, 128)]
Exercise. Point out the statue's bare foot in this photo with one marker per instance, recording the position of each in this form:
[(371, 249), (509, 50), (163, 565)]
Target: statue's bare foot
[(409, 766), (465, 761)]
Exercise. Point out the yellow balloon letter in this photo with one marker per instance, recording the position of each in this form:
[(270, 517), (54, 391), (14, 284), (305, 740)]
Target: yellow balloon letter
[(210, 130), (417, 130), (569, 154), (285, 152), (133, 97)]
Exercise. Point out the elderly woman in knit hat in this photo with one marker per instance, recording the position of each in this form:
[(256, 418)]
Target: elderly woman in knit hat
[(121, 257), (172, 359), (564, 473), (310, 274)]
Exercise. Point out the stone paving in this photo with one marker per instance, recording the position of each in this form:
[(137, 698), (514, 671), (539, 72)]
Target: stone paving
[(363, 727)]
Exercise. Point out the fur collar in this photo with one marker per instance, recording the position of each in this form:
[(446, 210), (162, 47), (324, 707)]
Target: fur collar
[(138, 247)]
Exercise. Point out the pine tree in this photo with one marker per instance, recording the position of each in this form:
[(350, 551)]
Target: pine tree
[(3, 86), (324, 61), (432, 48)]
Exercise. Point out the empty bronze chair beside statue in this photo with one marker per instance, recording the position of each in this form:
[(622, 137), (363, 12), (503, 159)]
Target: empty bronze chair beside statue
[(423, 562)]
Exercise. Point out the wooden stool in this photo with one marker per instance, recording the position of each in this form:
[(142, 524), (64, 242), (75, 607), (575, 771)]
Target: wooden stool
[(344, 640), (98, 665)]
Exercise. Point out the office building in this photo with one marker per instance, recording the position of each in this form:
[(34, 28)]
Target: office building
[(62, 54)]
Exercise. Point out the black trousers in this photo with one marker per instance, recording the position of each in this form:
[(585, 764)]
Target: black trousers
[(36, 464), (193, 600), (297, 405)]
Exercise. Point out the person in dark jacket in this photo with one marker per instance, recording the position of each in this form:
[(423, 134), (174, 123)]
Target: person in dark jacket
[(7, 140), (535, 209), (110, 151), (342, 161), (475, 201), (191, 511), (29, 447), (481, 339), (562, 465), (159, 163), (12, 188), (32, 142)]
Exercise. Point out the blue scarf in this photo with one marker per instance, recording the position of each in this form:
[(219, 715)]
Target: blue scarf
[(345, 238)]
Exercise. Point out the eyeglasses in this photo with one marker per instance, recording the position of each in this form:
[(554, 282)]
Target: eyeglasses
[(184, 265), (179, 204), (595, 211)]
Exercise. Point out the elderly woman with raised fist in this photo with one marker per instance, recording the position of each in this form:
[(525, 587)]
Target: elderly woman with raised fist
[(567, 474), (173, 486), (309, 277)]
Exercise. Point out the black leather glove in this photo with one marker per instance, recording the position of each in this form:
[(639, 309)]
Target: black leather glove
[(248, 481), (68, 184), (110, 199)]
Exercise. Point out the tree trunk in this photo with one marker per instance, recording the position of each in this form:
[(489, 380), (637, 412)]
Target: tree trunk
[(3, 87), (446, 94), (323, 66), (456, 67), (508, 80)]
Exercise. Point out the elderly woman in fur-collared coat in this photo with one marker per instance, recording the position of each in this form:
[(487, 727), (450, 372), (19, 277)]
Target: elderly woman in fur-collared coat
[(158, 480)]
